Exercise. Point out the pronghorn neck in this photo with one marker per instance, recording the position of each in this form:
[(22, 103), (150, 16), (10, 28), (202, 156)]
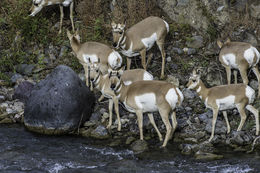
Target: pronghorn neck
[(75, 44), (98, 80), (120, 91), (202, 90), (123, 42)]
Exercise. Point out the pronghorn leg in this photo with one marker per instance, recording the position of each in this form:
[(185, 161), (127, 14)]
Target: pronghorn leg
[(243, 72), (149, 59), (241, 110), (226, 119), (86, 74), (228, 71), (214, 119), (165, 117), (110, 107), (128, 61), (71, 16), (174, 122), (161, 47), (139, 115), (61, 17), (235, 76), (255, 70), (143, 57), (256, 114), (115, 100), (101, 98), (150, 115)]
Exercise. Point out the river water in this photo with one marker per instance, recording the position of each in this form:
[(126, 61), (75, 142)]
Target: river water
[(25, 152)]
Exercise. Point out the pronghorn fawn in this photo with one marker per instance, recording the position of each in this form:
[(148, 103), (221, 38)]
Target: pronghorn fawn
[(140, 38), (102, 83), (90, 52), (239, 56), (224, 97), (149, 96), (39, 4)]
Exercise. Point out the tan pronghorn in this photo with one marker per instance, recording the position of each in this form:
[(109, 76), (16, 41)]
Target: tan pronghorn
[(150, 96), (90, 52), (140, 38), (39, 4), (102, 83), (224, 97), (239, 56)]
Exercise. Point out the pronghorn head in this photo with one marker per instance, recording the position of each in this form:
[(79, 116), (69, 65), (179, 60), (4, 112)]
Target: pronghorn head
[(74, 36), (220, 44), (94, 71), (36, 7), (194, 80), (118, 31), (115, 77)]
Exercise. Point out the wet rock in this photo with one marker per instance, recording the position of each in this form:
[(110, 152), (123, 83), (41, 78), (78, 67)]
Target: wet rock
[(139, 146), (240, 138), (59, 103), (207, 156), (23, 91), (95, 116), (25, 69), (195, 42), (6, 121), (90, 123), (100, 133), (129, 140), (16, 77), (115, 143), (85, 132), (186, 149)]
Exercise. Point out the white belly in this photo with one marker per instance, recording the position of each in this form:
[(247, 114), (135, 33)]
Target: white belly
[(129, 52), (226, 102), (149, 41), (114, 60), (146, 102), (230, 60)]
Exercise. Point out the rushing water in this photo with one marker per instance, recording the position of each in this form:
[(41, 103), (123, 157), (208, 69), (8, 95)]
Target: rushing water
[(22, 151)]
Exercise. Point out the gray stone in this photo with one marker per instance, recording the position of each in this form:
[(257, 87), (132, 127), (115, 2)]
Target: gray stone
[(58, 104), (220, 127), (195, 42), (100, 133), (240, 138), (189, 94), (95, 116), (25, 69), (63, 51), (250, 38), (254, 84), (15, 78), (191, 51), (139, 146), (177, 50), (168, 59), (23, 91), (206, 117)]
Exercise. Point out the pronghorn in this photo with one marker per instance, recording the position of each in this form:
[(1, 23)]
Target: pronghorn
[(150, 96), (141, 37), (239, 56), (224, 97), (90, 52), (39, 4), (102, 83)]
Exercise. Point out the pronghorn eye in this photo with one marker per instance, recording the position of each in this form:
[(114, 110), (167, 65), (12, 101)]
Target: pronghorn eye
[(36, 4), (97, 70), (120, 32), (193, 80)]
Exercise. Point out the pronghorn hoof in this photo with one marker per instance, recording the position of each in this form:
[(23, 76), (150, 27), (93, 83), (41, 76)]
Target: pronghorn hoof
[(119, 129), (108, 126)]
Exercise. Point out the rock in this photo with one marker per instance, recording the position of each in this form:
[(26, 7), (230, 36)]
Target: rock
[(169, 59), (95, 116), (191, 51), (23, 91), (177, 50), (16, 77), (25, 69), (189, 94), (89, 123), (186, 149), (195, 42), (139, 146), (253, 84), (214, 77), (220, 127), (59, 103), (63, 50), (173, 80), (4, 115), (240, 138), (255, 10), (206, 117), (85, 132), (82, 77), (100, 133), (2, 98), (207, 156), (129, 140), (250, 38), (6, 121), (115, 142)]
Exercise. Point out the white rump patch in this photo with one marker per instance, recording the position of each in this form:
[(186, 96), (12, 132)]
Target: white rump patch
[(249, 55), (146, 102), (66, 3), (149, 41), (127, 82), (250, 93), (49, 3), (90, 58), (113, 58), (147, 76), (226, 102), (172, 98), (230, 60), (167, 26)]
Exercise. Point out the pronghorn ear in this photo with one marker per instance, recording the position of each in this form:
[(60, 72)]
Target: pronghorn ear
[(69, 34), (113, 24), (227, 41), (121, 70), (193, 72), (219, 43)]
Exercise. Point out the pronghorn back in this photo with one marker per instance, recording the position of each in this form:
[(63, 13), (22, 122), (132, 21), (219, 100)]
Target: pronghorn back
[(130, 76)]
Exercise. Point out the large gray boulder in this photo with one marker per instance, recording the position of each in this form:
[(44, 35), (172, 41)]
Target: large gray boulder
[(59, 103)]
